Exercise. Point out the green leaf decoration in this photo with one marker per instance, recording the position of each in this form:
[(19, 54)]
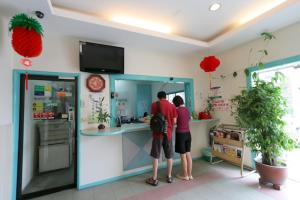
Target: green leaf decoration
[(263, 51), (247, 72), (25, 21), (261, 65), (267, 36)]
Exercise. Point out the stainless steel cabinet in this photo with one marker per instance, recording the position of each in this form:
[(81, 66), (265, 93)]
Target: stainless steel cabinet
[(54, 145)]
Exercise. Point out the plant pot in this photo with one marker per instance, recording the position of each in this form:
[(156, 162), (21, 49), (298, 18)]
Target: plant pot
[(101, 126), (204, 115), (276, 175)]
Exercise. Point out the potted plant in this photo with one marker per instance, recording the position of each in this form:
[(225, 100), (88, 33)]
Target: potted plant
[(206, 113), (260, 110), (102, 115)]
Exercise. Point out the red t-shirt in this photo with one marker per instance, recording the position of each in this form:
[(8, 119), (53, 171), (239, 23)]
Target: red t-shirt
[(169, 112)]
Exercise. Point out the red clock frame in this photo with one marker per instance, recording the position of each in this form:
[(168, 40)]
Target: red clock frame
[(95, 83)]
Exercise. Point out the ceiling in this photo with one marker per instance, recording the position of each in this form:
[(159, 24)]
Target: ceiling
[(194, 27)]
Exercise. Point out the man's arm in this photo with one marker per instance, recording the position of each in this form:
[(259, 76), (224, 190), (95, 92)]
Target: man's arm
[(175, 120), (175, 115)]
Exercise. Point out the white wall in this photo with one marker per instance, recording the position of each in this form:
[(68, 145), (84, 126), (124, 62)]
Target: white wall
[(285, 45), (60, 54), (5, 111)]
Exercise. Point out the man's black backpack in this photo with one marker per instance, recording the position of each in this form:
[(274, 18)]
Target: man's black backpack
[(158, 122)]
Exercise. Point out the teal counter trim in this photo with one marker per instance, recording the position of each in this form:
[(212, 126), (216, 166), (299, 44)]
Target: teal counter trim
[(16, 112), (205, 121), (188, 85), (118, 178), (270, 65)]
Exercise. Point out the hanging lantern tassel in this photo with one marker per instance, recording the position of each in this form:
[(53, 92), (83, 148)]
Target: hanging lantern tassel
[(209, 77), (26, 81), (27, 63)]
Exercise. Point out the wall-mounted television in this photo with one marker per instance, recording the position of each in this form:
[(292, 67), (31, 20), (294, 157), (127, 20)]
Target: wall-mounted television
[(100, 58)]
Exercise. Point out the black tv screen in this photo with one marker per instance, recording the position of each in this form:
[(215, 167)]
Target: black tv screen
[(100, 58)]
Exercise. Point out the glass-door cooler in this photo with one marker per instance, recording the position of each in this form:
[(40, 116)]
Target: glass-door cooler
[(47, 135)]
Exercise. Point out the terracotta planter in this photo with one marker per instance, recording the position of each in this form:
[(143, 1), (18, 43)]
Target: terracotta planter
[(276, 175)]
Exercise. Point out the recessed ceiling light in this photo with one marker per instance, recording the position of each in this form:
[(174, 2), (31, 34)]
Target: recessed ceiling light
[(142, 24), (214, 7)]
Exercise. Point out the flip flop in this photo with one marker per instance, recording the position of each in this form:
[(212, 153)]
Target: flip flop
[(152, 182)]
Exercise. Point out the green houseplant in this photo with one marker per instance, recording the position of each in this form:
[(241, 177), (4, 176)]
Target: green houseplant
[(260, 111), (102, 115)]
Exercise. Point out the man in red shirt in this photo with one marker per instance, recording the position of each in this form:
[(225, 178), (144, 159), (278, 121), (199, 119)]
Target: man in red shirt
[(159, 139)]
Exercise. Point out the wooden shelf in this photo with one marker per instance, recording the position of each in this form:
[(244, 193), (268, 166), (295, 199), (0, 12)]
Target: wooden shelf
[(229, 154), (224, 156), (227, 141)]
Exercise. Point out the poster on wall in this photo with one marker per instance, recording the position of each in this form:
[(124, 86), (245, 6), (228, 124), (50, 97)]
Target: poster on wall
[(92, 107), (221, 104)]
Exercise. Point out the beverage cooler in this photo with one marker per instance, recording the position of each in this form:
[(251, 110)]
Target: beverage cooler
[(47, 135)]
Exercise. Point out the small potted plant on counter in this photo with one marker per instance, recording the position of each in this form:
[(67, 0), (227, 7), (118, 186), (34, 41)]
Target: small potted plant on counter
[(206, 114), (102, 115)]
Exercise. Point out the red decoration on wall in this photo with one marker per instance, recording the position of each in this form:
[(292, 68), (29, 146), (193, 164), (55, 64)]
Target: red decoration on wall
[(210, 63), (26, 38), (27, 43), (95, 83)]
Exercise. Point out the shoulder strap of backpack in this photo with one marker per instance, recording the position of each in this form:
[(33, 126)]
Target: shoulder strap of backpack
[(158, 107)]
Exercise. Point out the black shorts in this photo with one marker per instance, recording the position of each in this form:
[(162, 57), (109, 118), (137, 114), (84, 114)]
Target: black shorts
[(156, 148), (183, 142)]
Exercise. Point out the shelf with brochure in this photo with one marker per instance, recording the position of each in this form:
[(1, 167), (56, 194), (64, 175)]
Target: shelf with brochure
[(227, 143)]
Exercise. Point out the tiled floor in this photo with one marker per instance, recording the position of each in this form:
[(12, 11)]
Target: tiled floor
[(212, 182)]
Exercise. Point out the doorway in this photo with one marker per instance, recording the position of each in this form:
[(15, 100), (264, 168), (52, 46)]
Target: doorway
[(47, 134)]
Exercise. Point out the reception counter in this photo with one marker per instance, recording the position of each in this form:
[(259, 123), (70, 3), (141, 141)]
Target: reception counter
[(116, 153), (129, 127)]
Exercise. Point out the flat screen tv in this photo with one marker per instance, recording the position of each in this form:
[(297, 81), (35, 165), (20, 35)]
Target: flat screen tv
[(100, 58)]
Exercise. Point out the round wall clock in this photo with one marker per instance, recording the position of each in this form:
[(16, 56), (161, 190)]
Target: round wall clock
[(95, 83)]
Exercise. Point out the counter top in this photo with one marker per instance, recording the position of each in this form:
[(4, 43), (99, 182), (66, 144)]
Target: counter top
[(109, 131), (115, 130)]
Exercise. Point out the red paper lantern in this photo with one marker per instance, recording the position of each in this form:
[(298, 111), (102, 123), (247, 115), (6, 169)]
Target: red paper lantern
[(27, 43), (210, 63), (26, 38)]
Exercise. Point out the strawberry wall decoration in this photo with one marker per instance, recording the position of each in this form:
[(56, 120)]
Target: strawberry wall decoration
[(27, 35), (210, 64)]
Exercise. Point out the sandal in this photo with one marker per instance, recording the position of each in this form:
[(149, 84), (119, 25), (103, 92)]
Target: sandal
[(169, 179), (185, 178), (152, 182)]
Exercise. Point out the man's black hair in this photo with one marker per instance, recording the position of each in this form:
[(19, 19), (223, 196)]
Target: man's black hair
[(178, 101), (161, 95)]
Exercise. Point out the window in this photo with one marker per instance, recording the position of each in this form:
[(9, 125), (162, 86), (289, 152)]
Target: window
[(291, 92), (170, 96)]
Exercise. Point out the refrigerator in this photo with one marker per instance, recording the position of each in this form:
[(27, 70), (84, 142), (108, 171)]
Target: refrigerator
[(47, 135)]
